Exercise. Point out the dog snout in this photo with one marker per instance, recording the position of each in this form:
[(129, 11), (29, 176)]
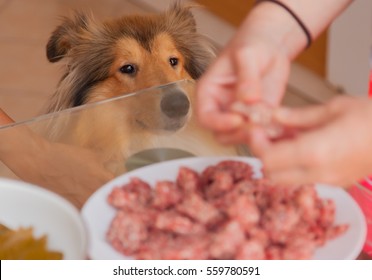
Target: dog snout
[(175, 104)]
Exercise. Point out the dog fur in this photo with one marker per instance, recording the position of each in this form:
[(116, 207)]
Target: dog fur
[(121, 56), (95, 52)]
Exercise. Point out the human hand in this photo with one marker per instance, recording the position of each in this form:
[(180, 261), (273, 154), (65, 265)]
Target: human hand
[(251, 68), (332, 144)]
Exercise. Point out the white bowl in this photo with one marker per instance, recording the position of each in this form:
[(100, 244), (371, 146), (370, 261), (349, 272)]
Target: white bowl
[(98, 214), (26, 205)]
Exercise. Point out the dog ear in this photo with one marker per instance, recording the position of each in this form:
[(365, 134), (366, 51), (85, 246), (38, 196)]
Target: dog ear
[(65, 36), (198, 50), (180, 18)]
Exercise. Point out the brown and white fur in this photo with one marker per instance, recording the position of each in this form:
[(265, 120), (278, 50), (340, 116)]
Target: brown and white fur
[(121, 56)]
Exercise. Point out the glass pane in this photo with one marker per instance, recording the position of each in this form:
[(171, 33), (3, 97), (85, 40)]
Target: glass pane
[(75, 151)]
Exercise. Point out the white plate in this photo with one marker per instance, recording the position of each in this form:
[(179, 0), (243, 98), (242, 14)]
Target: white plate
[(26, 205), (97, 213)]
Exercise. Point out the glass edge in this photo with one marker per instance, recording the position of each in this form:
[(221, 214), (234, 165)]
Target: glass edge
[(47, 116)]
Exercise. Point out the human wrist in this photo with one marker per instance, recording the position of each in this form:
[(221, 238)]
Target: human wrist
[(289, 10), (289, 20), (273, 25)]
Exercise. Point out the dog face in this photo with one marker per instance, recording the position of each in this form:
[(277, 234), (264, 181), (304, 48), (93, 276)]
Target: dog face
[(121, 56), (135, 68)]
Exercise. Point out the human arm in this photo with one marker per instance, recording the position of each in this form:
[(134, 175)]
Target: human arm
[(70, 171), (255, 64), (282, 28)]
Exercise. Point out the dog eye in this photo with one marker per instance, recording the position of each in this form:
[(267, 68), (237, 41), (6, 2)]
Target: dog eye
[(173, 61), (128, 69)]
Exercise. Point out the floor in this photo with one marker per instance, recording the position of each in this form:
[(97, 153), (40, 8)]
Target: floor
[(27, 79)]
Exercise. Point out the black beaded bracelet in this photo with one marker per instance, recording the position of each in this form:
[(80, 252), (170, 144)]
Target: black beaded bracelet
[(298, 20)]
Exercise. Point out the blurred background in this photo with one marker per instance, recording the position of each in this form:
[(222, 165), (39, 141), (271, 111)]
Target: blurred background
[(338, 61)]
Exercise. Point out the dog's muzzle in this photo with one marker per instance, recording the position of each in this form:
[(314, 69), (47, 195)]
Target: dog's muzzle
[(175, 104)]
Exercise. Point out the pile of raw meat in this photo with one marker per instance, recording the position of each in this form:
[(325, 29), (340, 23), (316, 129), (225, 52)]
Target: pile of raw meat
[(221, 213)]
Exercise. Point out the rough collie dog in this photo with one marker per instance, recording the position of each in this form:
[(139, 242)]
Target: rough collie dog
[(113, 58)]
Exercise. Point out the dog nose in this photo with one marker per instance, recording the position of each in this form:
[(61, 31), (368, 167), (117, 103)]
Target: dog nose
[(175, 104)]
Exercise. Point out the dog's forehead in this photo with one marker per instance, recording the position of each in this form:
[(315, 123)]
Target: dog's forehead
[(160, 43), (141, 28)]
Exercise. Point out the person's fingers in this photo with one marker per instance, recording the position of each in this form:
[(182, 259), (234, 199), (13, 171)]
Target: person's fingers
[(305, 117), (213, 117), (237, 136), (308, 175), (290, 177), (275, 81), (221, 122), (216, 81), (220, 68), (249, 88), (284, 154), (307, 152), (258, 141), (282, 162), (214, 94), (255, 136), (210, 98)]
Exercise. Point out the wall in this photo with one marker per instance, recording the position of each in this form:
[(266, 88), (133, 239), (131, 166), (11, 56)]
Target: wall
[(349, 48)]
